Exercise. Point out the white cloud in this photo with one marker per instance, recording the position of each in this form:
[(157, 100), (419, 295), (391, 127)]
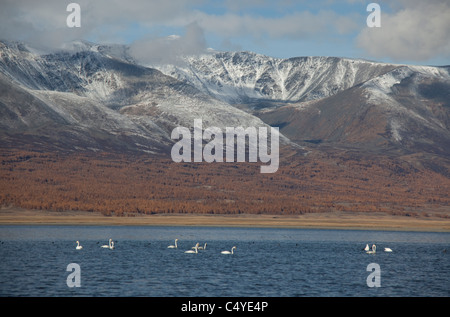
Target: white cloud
[(43, 22), (416, 31), (295, 25), (412, 30), (153, 50)]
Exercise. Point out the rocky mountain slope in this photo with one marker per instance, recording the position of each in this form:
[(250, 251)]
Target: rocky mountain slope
[(366, 106), (405, 110)]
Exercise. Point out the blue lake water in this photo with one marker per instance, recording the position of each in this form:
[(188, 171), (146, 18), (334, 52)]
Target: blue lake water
[(266, 262)]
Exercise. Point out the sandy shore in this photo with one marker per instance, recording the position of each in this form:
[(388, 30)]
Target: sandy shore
[(341, 220)]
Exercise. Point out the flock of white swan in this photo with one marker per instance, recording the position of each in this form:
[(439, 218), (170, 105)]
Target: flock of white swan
[(110, 245), (196, 247), (373, 250)]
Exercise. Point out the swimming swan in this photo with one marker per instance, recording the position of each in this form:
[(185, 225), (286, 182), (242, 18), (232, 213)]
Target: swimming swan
[(366, 248), (387, 250), (107, 246), (200, 248), (228, 252), (374, 249), (110, 245), (173, 246), (193, 251), (78, 247)]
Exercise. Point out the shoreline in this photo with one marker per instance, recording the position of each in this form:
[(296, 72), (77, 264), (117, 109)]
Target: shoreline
[(332, 220)]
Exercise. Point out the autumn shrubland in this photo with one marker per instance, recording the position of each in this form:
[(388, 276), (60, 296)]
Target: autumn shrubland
[(129, 184)]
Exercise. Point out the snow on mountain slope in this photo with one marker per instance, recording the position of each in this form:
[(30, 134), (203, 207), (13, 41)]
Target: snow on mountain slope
[(406, 110), (239, 77), (384, 83), (400, 94), (79, 72)]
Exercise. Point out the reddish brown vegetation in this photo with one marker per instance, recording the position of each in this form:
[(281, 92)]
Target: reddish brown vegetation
[(122, 185)]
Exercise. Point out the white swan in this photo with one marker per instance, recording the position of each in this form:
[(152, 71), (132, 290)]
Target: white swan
[(199, 248), (78, 247), (107, 246), (366, 248), (387, 250), (228, 252), (193, 251), (110, 245), (173, 246), (374, 249)]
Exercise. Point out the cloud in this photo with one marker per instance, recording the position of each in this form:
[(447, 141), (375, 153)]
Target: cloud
[(155, 50), (43, 22), (297, 25), (31, 22), (415, 31)]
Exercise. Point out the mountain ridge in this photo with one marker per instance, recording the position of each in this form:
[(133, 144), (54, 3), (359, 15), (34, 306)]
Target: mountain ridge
[(405, 107), (140, 100)]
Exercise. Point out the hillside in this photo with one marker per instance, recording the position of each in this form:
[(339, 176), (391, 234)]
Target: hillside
[(89, 129)]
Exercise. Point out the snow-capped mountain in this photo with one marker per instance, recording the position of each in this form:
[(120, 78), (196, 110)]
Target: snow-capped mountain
[(335, 101), (95, 96)]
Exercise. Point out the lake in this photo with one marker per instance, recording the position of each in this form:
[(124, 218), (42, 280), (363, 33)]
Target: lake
[(266, 262)]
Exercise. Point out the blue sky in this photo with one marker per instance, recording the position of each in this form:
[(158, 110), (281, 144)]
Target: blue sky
[(411, 32)]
